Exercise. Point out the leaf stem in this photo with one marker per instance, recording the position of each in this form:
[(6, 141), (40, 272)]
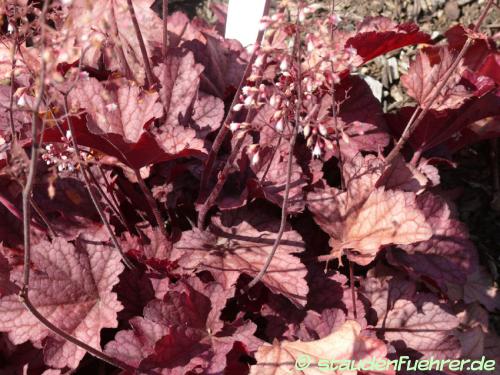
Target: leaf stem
[(224, 129), (12, 89), (114, 199), (105, 197), (14, 211), (214, 194), (27, 202), (149, 74), (353, 293), (43, 217), (28, 187), (151, 202), (95, 201), (23, 296), (416, 120), (298, 105), (119, 48), (165, 29)]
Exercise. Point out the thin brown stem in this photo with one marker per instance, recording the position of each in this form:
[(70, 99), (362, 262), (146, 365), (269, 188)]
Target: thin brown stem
[(337, 131), (149, 74), (30, 179), (494, 165), (114, 199), (95, 352), (88, 184), (332, 26), (334, 106), (127, 72), (165, 29), (224, 129), (214, 194), (43, 217), (151, 202), (353, 292), (17, 213), (412, 125), (268, 166), (104, 196), (284, 209), (27, 195), (12, 89)]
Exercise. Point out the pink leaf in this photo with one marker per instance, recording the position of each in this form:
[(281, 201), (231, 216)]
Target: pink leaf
[(240, 243), (179, 77), (346, 342), (411, 321), (116, 107), (208, 113), (183, 331), (423, 326), (88, 24), (366, 218), (71, 287)]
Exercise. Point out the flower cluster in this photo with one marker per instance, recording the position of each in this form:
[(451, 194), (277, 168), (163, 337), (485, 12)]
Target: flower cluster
[(60, 155), (274, 79)]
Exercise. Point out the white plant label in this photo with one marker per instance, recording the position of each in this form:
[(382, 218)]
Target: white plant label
[(243, 20)]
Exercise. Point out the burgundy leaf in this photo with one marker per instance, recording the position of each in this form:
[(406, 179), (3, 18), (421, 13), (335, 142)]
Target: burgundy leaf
[(448, 256), (136, 155), (379, 35), (134, 345), (449, 127), (360, 118), (482, 55), (479, 287), (224, 61), (270, 171), (425, 75), (183, 331)]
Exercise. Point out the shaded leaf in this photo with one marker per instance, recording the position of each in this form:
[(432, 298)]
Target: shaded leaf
[(240, 242)]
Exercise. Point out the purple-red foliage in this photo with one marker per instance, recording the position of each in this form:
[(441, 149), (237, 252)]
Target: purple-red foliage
[(416, 287)]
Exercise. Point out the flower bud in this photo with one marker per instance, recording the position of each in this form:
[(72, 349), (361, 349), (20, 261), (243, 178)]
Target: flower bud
[(259, 61), (275, 101), (284, 65), (322, 130), (307, 131), (345, 138), (255, 159), (249, 101), (280, 125), (317, 150)]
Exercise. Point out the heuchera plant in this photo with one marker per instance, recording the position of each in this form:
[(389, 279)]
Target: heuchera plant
[(174, 204)]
